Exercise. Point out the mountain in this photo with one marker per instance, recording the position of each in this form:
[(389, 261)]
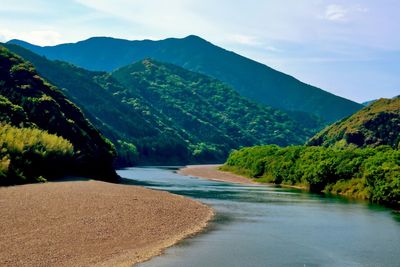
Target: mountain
[(208, 108), (374, 125), (43, 134), (171, 115), (119, 121), (250, 78)]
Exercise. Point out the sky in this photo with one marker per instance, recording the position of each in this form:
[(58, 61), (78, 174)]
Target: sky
[(348, 47)]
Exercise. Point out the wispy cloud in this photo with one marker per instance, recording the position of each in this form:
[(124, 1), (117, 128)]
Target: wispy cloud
[(336, 13), (343, 13)]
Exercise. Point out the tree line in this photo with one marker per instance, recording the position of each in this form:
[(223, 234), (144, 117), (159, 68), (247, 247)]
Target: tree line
[(368, 173)]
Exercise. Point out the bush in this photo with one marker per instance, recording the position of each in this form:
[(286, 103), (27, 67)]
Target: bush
[(32, 155)]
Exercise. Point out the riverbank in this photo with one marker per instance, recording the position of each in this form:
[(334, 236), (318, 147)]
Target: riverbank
[(211, 172), (91, 223)]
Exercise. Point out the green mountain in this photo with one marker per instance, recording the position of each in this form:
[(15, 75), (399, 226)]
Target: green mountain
[(374, 125), (207, 108), (169, 114), (42, 134), (250, 78)]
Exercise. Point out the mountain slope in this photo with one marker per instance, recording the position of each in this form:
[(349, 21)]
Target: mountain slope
[(126, 124), (29, 102), (208, 108), (374, 125), (250, 78), (170, 114)]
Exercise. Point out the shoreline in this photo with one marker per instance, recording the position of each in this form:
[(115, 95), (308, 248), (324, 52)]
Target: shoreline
[(211, 172), (92, 223)]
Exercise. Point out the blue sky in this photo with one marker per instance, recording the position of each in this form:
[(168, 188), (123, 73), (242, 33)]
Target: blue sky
[(348, 47)]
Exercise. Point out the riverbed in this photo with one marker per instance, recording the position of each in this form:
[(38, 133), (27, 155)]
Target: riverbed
[(261, 225)]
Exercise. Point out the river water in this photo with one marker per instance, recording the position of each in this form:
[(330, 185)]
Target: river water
[(272, 226)]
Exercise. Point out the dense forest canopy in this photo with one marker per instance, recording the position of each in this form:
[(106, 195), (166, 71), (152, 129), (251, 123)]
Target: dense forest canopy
[(207, 108)]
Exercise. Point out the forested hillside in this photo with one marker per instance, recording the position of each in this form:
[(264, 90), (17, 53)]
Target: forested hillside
[(371, 173), (44, 135), (249, 78), (169, 114), (374, 125), (207, 109)]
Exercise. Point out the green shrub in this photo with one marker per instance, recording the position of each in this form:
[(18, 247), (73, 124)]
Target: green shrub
[(31, 155)]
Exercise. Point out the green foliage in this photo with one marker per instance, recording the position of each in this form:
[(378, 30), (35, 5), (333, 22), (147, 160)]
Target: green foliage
[(206, 113), (372, 173), (11, 113), (171, 115), (127, 152), (32, 155), (355, 188), (28, 101), (374, 125)]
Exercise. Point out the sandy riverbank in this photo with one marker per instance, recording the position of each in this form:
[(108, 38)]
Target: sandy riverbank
[(211, 172), (92, 223)]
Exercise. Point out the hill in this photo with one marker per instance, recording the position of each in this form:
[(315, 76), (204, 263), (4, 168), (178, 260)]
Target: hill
[(250, 78), (170, 114), (43, 134), (374, 125)]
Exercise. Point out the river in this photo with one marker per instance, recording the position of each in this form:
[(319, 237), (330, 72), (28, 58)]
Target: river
[(271, 226)]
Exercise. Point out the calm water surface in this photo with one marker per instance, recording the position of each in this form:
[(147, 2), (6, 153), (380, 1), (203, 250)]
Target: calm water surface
[(270, 226)]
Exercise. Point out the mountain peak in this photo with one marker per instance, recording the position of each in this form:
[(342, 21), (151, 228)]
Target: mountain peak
[(18, 42), (193, 37)]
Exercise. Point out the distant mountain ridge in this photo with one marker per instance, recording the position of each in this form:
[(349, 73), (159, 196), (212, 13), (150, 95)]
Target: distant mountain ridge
[(250, 78), (170, 114)]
